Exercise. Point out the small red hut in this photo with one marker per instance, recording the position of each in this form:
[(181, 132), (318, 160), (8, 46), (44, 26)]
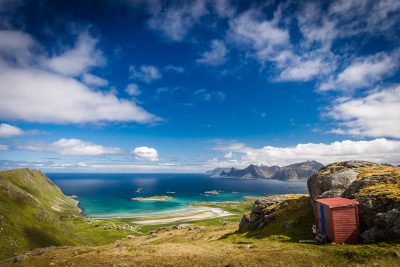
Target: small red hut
[(337, 218)]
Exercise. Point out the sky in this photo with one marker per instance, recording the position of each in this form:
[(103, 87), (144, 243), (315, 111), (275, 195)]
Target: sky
[(187, 86)]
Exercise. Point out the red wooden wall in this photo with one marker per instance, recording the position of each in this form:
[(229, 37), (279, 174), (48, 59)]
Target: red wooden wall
[(345, 224), (341, 223)]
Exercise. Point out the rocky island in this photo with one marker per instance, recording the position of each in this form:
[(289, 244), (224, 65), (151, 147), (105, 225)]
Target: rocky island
[(212, 192)]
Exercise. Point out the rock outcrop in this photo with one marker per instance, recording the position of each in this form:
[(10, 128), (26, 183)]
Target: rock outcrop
[(375, 186), (261, 213)]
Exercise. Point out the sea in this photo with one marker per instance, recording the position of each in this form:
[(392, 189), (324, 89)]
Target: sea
[(109, 195)]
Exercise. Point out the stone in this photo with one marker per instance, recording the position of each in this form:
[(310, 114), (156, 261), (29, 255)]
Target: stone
[(375, 186), (19, 258), (183, 225), (261, 213)]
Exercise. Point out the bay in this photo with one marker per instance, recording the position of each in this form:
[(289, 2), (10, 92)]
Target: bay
[(110, 194)]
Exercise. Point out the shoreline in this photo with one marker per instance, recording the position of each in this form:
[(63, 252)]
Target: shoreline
[(189, 213), (206, 213)]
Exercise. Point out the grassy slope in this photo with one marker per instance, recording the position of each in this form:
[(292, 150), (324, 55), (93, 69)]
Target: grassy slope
[(220, 245), (35, 213)]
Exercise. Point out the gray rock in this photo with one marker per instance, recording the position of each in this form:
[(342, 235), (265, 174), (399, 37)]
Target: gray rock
[(260, 214), (183, 225), (19, 258), (322, 185), (379, 213)]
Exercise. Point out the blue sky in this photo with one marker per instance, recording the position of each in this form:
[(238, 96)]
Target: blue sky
[(186, 86)]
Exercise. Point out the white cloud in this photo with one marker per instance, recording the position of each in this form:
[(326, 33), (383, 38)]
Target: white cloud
[(223, 8), (176, 20), (39, 96), (145, 153), (145, 73), (358, 16), (364, 72), (7, 130), (32, 94), (15, 46), (262, 36), (216, 56), (69, 147), (77, 60), (376, 114), (303, 70), (132, 89), (321, 24), (377, 150), (316, 27), (93, 80), (228, 155)]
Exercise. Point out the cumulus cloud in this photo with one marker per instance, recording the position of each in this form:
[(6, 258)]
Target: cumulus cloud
[(264, 37), (377, 150), (364, 71), (93, 80), (145, 153), (77, 60), (69, 147), (376, 114), (145, 73), (15, 46), (7, 130), (30, 93), (267, 41), (39, 96), (132, 89), (305, 67), (216, 56)]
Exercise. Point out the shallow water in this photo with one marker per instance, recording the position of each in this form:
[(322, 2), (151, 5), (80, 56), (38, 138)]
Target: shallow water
[(110, 195)]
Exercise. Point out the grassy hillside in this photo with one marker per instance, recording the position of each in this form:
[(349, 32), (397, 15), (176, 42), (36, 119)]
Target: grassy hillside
[(35, 213), (200, 244)]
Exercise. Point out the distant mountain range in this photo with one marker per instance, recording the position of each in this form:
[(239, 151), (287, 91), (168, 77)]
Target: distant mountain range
[(292, 172)]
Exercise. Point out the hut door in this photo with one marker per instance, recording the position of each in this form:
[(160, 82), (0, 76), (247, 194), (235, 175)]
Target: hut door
[(322, 216)]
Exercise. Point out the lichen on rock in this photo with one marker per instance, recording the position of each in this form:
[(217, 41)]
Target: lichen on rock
[(375, 186)]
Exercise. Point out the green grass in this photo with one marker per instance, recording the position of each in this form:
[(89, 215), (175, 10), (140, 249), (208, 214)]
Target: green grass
[(291, 223), (35, 213)]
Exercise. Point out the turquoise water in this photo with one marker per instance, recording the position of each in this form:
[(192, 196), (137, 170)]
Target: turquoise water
[(110, 195)]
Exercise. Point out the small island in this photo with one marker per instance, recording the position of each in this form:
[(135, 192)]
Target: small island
[(153, 198), (212, 192)]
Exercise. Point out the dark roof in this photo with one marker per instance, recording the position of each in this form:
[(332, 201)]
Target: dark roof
[(337, 202)]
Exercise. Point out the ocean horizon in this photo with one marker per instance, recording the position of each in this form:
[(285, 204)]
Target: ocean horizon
[(109, 195)]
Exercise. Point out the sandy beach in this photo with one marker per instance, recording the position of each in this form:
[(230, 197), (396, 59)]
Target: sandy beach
[(202, 214)]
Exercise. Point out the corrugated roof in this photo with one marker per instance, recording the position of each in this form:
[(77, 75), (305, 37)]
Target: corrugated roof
[(337, 202)]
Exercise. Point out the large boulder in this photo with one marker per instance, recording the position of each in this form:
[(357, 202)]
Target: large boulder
[(375, 186)]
